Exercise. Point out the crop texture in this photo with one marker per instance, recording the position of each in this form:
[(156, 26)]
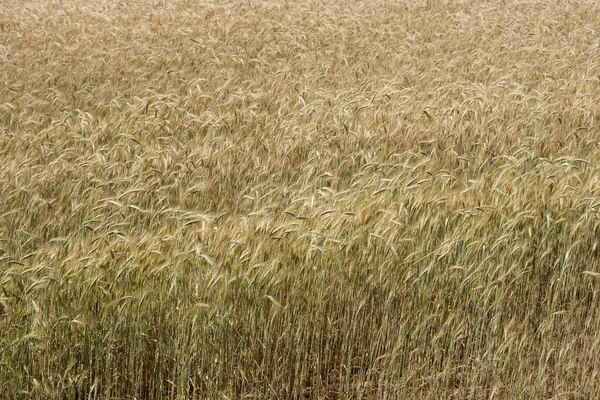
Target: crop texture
[(320, 199)]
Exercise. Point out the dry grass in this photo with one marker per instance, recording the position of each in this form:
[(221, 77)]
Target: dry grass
[(299, 199)]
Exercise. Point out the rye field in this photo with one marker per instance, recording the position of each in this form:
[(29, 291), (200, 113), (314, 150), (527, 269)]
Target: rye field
[(319, 199)]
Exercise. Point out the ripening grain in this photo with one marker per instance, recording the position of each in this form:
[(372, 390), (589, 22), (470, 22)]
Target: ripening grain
[(272, 199)]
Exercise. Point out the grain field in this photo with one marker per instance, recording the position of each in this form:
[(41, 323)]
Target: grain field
[(319, 199)]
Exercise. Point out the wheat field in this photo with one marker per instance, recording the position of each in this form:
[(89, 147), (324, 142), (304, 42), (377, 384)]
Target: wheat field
[(320, 199)]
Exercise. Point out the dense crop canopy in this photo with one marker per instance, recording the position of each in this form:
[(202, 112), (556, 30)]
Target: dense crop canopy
[(299, 199)]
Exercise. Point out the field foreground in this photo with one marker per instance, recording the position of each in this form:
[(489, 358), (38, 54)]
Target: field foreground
[(312, 199)]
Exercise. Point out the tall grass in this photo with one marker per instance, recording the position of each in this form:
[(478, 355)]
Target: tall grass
[(319, 199)]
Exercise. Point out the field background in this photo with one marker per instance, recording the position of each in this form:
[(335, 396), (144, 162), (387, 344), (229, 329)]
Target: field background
[(299, 199)]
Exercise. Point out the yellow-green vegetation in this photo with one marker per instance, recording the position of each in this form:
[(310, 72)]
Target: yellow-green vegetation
[(274, 199)]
